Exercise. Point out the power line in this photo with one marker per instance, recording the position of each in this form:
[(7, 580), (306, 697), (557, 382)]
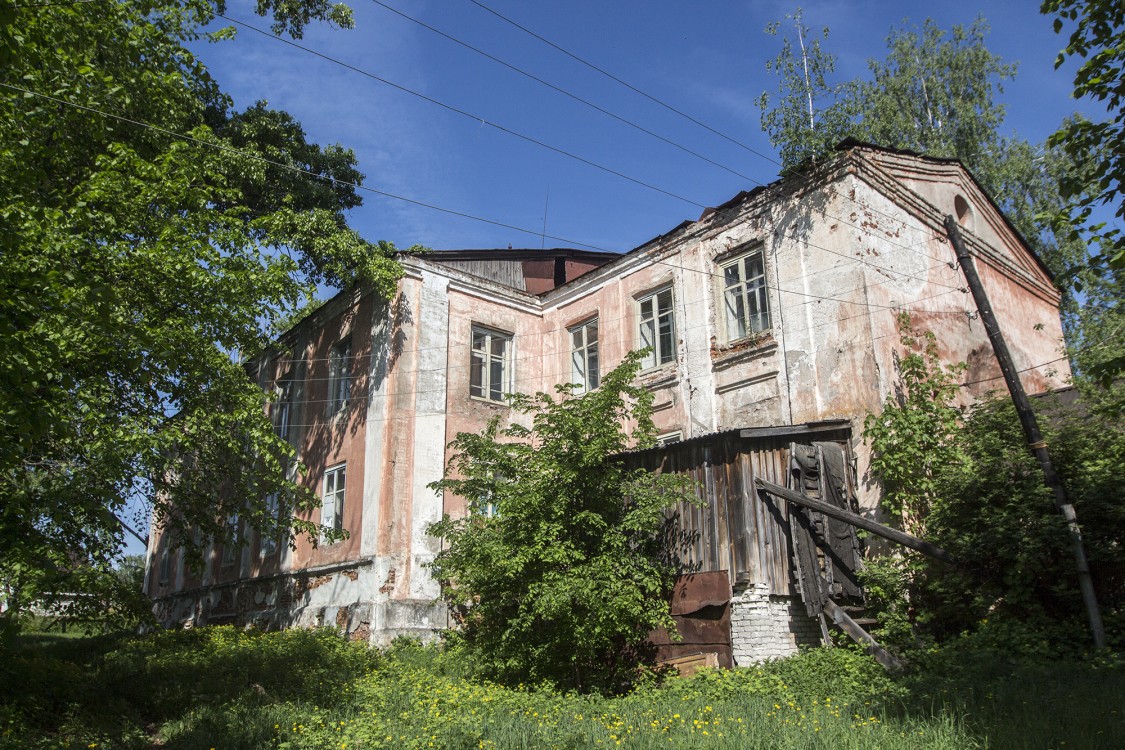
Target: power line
[(602, 110), (310, 173), (626, 84), (682, 328), (564, 92), (626, 341), (651, 98), (470, 115)]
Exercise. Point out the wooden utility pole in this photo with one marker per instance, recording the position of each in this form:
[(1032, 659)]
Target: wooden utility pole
[(1031, 430)]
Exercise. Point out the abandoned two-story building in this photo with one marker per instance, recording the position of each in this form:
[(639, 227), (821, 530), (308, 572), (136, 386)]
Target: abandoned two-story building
[(773, 328)]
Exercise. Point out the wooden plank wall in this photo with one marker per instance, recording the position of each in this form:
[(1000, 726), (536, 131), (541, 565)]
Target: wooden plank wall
[(736, 530)]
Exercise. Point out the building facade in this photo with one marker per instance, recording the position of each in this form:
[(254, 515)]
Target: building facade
[(780, 307)]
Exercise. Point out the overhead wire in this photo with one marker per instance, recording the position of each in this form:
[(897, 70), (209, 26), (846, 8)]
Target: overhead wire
[(602, 110), (464, 113), (626, 84), (308, 172), (530, 139), (625, 342), (358, 186), (536, 141), (863, 342)]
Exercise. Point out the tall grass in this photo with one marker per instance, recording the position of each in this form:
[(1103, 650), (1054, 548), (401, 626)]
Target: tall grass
[(221, 688)]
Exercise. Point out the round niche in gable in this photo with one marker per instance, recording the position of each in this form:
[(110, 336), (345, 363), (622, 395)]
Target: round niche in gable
[(963, 211)]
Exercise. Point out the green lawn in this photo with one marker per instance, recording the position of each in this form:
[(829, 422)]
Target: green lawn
[(223, 688)]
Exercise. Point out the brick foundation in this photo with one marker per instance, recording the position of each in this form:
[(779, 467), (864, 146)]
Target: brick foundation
[(766, 627)]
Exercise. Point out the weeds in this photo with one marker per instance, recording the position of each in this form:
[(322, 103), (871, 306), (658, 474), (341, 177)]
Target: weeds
[(298, 690)]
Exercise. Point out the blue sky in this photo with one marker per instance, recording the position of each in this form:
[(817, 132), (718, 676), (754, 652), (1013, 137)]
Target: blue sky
[(706, 59)]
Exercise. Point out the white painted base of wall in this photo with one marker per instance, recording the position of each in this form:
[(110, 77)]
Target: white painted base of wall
[(351, 598), (766, 627)]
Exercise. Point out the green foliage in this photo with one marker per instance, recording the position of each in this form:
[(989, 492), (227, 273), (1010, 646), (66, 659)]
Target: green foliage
[(556, 568), (193, 685), (935, 92), (139, 264), (1097, 39), (808, 116), (219, 688), (1001, 522), (973, 488), (913, 437)]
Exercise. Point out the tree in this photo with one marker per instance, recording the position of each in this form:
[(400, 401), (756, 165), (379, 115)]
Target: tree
[(914, 434), (913, 438), (968, 483), (149, 235), (557, 568), (809, 115), (936, 93), (1098, 39)]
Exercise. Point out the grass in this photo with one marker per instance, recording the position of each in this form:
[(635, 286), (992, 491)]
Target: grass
[(222, 688)]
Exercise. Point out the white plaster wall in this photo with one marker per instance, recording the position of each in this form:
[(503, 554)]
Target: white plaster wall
[(429, 433), (373, 469)]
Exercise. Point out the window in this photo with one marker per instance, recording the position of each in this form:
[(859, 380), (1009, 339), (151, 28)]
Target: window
[(584, 355), (332, 509), (231, 546), (339, 377), (267, 542), (284, 409), (745, 296), (668, 438), (275, 507), (485, 505), (657, 327), (490, 372), (165, 570)]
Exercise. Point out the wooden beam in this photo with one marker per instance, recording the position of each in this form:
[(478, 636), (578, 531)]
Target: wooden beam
[(854, 519), (841, 618), (1031, 430)]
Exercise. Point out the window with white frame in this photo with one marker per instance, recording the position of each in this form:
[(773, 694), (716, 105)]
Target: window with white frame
[(332, 505), (491, 367), (486, 504), (284, 409), (657, 327), (584, 356), (339, 376), (275, 507), (267, 542), (745, 296), (668, 438)]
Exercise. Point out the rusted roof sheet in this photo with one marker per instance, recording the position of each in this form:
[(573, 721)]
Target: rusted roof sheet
[(698, 590)]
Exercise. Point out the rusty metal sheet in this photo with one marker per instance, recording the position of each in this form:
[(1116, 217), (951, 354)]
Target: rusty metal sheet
[(694, 592)]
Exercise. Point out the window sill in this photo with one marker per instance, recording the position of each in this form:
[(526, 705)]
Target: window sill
[(743, 350), (490, 402), (659, 377)]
